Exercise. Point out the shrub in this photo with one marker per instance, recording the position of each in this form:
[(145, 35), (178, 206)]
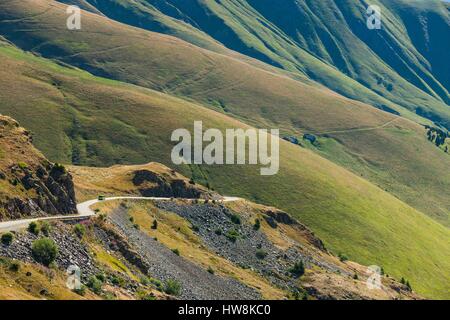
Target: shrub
[(136, 226), (117, 281), (101, 277), (95, 285), (218, 232), (81, 291), (298, 269), (44, 251), (144, 280), (14, 266), (45, 228), (33, 228), (261, 254), (22, 165), (408, 285), (342, 257), (79, 230), (195, 228), (355, 276), (131, 219), (7, 238), (59, 168), (172, 287), (257, 225), (235, 219), (232, 235), (155, 225), (158, 284), (211, 270), (176, 251)]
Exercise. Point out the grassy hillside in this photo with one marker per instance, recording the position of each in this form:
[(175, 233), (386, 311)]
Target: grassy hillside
[(404, 62), (76, 116), (395, 155)]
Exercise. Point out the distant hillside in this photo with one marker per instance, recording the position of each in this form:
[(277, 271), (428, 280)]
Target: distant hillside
[(405, 62)]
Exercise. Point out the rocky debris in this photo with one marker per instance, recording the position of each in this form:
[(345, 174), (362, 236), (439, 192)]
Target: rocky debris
[(248, 248), (151, 184), (114, 241), (196, 283), (71, 250), (275, 216)]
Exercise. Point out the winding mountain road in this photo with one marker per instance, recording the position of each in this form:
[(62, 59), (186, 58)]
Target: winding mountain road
[(84, 211)]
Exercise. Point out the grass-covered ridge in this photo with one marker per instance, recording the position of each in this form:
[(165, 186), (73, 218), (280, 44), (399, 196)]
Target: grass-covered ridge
[(395, 155), (72, 113)]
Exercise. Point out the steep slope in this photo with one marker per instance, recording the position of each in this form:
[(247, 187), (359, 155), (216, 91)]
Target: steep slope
[(29, 184), (404, 62), (392, 154), (94, 120)]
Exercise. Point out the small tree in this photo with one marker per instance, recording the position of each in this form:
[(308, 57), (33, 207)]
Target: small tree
[(298, 269), (7, 238), (257, 225), (408, 285), (176, 251), (33, 228), (172, 287), (235, 219), (342, 257), (155, 225), (95, 285), (44, 251)]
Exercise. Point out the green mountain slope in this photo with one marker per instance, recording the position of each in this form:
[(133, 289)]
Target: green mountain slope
[(404, 62), (73, 113), (395, 155)]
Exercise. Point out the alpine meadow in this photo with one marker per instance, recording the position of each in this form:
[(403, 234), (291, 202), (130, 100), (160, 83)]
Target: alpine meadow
[(225, 150)]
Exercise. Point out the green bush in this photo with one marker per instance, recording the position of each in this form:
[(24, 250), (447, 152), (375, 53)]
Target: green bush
[(95, 285), (7, 238), (79, 230), (176, 251), (155, 225), (44, 251), (211, 270), (172, 287), (218, 232), (257, 225), (22, 165), (261, 254), (33, 228), (14, 266), (298, 269), (342, 257), (45, 228), (232, 235), (235, 219)]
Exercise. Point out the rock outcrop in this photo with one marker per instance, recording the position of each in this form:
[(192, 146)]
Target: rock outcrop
[(30, 185)]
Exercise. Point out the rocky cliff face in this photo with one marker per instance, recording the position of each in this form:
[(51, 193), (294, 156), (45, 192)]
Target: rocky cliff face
[(30, 185)]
